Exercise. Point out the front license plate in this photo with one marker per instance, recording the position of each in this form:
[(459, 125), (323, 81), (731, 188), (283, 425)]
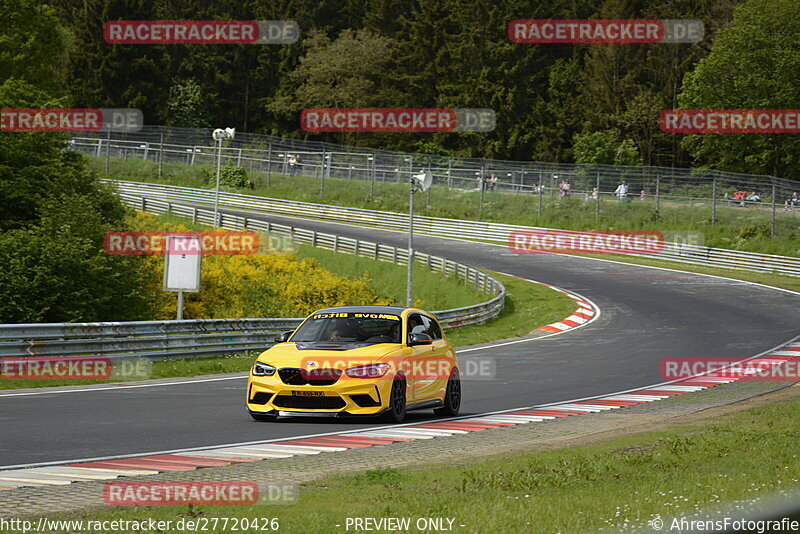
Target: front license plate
[(308, 393)]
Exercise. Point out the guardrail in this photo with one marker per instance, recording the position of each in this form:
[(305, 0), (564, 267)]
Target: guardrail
[(211, 337), (463, 229)]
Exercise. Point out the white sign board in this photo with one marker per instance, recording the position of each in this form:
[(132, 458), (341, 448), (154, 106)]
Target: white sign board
[(182, 263)]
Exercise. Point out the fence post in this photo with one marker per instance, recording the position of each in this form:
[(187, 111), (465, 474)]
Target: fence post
[(774, 194), (313, 238), (539, 207), (194, 215), (336, 243), (449, 177), (658, 197), (372, 177), (161, 155), (269, 164), (597, 199), (714, 202), (428, 197), (482, 185), (108, 148), (322, 180)]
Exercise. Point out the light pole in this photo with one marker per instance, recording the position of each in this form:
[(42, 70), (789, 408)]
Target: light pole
[(218, 135), (419, 182)]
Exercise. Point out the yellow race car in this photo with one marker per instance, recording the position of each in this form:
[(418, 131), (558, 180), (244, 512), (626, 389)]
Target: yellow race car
[(357, 360)]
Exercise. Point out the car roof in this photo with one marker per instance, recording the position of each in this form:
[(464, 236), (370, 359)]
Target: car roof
[(397, 310)]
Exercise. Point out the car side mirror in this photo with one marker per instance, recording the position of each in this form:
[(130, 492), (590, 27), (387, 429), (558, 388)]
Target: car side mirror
[(419, 339), (283, 337)]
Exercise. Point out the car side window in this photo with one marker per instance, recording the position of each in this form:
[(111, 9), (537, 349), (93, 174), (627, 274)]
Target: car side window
[(433, 328), (416, 325)]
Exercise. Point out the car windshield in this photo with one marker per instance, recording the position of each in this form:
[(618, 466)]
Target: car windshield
[(340, 327)]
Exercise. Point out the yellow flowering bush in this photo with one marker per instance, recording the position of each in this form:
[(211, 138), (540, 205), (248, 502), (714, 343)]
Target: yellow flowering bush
[(261, 285)]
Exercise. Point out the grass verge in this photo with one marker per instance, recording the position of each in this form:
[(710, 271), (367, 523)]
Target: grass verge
[(612, 485)]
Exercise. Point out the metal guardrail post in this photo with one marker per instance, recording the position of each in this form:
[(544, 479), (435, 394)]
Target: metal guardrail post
[(658, 197), (161, 155), (108, 149), (539, 201), (597, 198), (714, 201), (774, 195)]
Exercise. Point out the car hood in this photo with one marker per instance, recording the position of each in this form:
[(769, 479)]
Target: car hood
[(327, 354)]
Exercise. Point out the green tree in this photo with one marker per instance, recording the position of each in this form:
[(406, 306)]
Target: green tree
[(53, 212), (187, 105), (604, 147), (754, 64)]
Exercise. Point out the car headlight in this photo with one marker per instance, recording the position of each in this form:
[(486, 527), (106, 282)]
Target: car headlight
[(262, 369), (373, 370)]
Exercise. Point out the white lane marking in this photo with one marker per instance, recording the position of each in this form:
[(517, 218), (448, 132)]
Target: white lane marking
[(429, 431), (35, 479), (293, 450), (118, 387), (516, 417), (401, 435), (681, 388), (574, 408), (591, 406), (74, 473), (254, 454), (629, 397)]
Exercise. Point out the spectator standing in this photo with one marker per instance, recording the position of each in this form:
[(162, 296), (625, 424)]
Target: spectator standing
[(641, 195), (622, 191), (792, 202), (292, 165)]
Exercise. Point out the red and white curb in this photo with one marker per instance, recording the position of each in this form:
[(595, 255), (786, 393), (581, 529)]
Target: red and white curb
[(585, 313), (187, 460)]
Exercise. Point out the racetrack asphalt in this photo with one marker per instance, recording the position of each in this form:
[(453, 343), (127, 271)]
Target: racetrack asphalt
[(647, 315)]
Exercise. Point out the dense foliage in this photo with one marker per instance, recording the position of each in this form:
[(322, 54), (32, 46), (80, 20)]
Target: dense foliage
[(446, 53), (53, 211)]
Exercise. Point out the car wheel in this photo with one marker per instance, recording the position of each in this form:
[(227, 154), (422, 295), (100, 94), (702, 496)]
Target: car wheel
[(263, 417), (396, 412), (452, 396)]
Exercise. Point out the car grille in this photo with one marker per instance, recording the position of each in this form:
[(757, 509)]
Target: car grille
[(309, 403), (315, 377), (260, 398), (364, 401)]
